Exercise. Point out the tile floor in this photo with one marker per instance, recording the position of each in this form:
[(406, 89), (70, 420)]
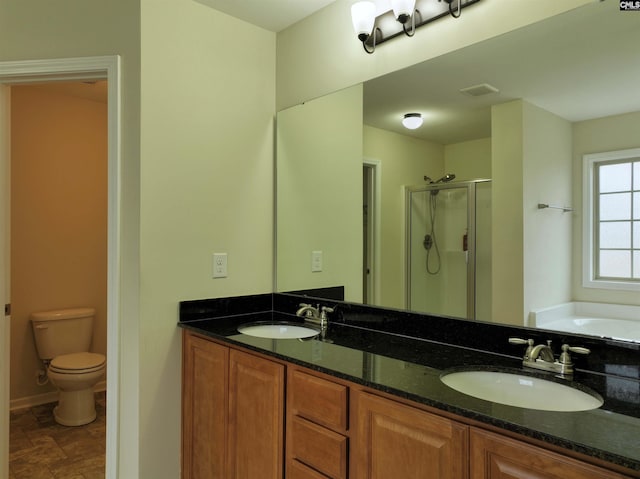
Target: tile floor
[(41, 449)]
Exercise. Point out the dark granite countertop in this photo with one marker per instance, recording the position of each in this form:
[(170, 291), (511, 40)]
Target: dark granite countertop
[(410, 368)]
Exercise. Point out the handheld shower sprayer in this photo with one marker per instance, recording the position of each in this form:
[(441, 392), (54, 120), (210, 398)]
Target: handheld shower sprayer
[(445, 179), (430, 242)]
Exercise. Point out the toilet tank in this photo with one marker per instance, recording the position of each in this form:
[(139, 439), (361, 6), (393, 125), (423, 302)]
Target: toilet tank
[(62, 331)]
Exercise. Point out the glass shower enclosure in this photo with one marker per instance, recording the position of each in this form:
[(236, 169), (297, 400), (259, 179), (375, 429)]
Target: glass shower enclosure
[(448, 249)]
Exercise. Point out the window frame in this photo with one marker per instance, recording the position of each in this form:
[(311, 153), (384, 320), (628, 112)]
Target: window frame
[(589, 223)]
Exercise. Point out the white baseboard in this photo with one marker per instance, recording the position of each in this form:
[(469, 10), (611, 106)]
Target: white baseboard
[(45, 398)]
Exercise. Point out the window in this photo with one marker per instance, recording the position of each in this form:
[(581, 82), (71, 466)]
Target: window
[(612, 220)]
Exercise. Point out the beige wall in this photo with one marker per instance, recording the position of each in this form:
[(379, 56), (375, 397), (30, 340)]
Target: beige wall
[(58, 219), (321, 54), (611, 133), (547, 232), (468, 160), (507, 267), (207, 110), (531, 164), (40, 29), (404, 162), (319, 193)]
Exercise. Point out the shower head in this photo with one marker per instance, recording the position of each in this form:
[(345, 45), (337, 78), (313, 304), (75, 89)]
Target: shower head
[(446, 178), (428, 178)]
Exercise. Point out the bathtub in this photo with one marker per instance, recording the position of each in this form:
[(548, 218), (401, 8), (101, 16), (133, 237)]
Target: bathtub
[(617, 321)]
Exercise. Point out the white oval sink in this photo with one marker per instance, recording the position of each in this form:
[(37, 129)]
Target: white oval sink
[(523, 391), (278, 330)]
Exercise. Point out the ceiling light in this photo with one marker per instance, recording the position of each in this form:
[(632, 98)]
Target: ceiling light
[(412, 121)]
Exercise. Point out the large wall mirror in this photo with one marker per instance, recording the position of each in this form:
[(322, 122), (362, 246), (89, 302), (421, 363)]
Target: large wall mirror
[(449, 218)]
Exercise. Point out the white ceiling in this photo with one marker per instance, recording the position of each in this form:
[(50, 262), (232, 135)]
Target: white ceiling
[(273, 15)]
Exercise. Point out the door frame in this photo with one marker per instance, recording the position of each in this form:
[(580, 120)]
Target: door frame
[(81, 69)]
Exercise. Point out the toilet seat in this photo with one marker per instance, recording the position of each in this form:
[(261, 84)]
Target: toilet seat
[(77, 363)]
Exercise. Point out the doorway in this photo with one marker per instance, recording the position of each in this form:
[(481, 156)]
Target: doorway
[(58, 256), (39, 71), (371, 191)]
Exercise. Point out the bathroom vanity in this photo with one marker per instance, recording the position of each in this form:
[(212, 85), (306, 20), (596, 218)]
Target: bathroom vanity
[(366, 403)]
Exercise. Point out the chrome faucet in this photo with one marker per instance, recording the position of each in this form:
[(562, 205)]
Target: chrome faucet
[(542, 357), (315, 315)]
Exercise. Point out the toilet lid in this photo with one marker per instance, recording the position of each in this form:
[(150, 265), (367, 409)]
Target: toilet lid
[(78, 361)]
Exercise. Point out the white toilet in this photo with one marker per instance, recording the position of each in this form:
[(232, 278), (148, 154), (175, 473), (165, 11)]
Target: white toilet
[(63, 338)]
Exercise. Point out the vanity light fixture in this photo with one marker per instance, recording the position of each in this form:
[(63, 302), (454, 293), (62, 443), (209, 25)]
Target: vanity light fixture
[(373, 29), (411, 121)]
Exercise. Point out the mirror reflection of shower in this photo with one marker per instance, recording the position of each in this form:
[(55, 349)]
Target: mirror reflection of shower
[(434, 263), (448, 247)]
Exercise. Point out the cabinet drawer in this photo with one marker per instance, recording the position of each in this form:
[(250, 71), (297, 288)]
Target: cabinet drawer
[(319, 448), (319, 400), (297, 470)]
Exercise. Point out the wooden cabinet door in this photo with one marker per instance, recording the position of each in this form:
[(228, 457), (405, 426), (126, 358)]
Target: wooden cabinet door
[(497, 457), (256, 417), (204, 406), (398, 441)]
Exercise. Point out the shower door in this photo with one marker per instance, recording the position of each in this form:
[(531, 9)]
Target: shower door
[(441, 246)]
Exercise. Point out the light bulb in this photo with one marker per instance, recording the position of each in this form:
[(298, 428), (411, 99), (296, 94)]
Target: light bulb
[(412, 121)]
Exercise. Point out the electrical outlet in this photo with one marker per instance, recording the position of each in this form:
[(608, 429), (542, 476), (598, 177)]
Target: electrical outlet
[(316, 261), (219, 265)]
